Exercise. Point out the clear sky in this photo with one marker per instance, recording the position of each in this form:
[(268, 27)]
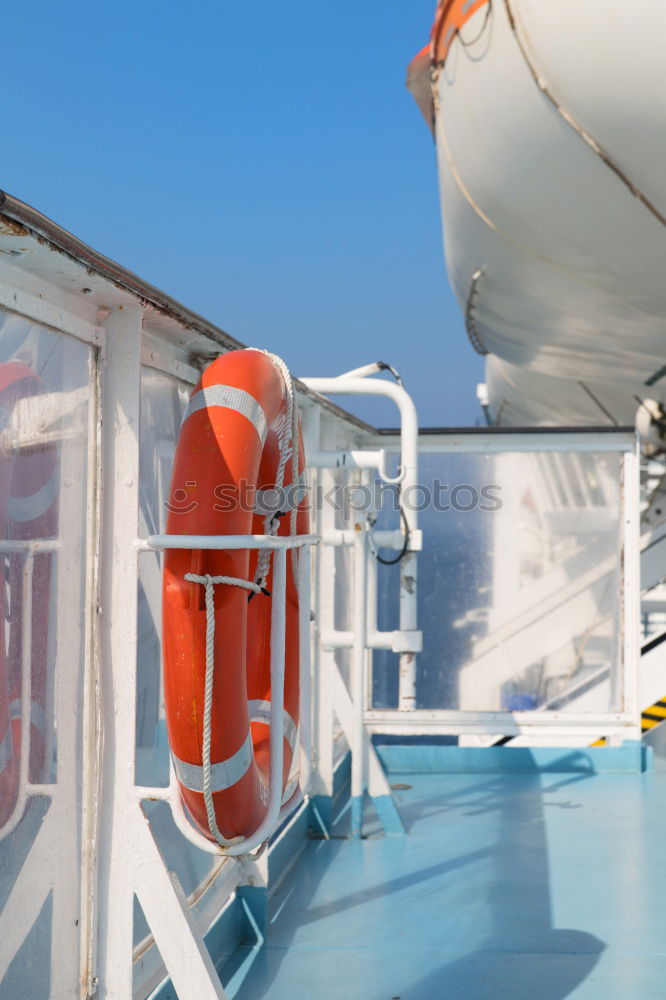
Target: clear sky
[(262, 162)]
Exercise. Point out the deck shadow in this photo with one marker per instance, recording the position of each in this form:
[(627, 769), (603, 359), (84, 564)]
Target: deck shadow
[(524, 957), (464, 911)]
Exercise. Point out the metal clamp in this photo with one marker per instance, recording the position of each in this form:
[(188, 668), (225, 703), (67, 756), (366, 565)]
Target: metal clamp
[(407, 642)]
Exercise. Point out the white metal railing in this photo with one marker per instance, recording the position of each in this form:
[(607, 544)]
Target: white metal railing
[(359, 779), (364, 636), (276, 809), (396, 640), (564, 723), (349, 703), (356, 459), (26, 788), (50, 853), (356, 385), (352, 702)]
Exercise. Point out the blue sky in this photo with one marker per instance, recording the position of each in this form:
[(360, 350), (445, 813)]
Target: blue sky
[(261, 162)]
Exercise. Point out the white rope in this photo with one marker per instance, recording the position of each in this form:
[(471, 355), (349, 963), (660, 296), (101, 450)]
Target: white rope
[(209, 583), (288, 448)]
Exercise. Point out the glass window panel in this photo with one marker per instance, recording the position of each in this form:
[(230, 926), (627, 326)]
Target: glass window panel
[(45, 377), (163, 402), (519, 584)]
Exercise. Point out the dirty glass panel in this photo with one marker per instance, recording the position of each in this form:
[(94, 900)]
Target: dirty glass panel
[(519, 581), (653, 613), (344, 568), (385, 664), (163, 402), (44, 398)]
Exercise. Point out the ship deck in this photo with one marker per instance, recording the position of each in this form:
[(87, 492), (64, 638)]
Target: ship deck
[(520, 885)]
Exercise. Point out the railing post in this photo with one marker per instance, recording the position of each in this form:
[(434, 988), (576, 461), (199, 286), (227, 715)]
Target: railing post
[(358, 780), (630, 485), (409, 431), (120, 403), (324, 482)]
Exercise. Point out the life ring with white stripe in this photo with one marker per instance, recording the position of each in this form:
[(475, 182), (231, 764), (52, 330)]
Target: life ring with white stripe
[(29, 487), (233, 474)]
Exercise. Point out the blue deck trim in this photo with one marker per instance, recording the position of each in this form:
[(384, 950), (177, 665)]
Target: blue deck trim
[(342, 774), (229, 937), (255, 903), (389, 815), (632, 757), (356, 816), (288, 846), (321, 816), (247, 955), (327, 806)]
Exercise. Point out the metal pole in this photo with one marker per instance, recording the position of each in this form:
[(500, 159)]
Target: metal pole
[(118, 634), (630, 605), (305, 684), (325, 480), (409, 469), (278, 632), (358, 779)]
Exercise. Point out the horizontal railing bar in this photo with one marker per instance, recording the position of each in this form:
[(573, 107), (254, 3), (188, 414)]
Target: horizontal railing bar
[(334, 639), (429, 717), (455, 723), (24, 545), (43, 790), (382, 539), (346, 459), (154, 543), (154, 793), (514, 441)]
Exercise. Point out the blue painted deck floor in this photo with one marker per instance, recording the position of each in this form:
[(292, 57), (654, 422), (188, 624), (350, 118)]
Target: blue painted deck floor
[(526, 886)]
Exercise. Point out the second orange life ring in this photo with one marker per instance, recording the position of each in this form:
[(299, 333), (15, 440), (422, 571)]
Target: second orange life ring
[(234, 446)]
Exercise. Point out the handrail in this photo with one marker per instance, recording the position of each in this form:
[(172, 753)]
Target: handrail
[(26, 788), (155, 543), (409, 432)]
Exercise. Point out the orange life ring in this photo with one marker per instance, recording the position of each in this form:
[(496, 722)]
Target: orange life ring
[(227, 459), (28, 511)]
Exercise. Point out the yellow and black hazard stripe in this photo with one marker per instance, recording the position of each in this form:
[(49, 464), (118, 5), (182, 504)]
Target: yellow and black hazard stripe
[(653, 715), (650, 718)]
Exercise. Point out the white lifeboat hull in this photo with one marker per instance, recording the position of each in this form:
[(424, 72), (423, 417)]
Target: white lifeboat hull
[(549, 126)]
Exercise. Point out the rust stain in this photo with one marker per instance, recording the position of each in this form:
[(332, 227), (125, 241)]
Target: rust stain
[(9, 227)]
